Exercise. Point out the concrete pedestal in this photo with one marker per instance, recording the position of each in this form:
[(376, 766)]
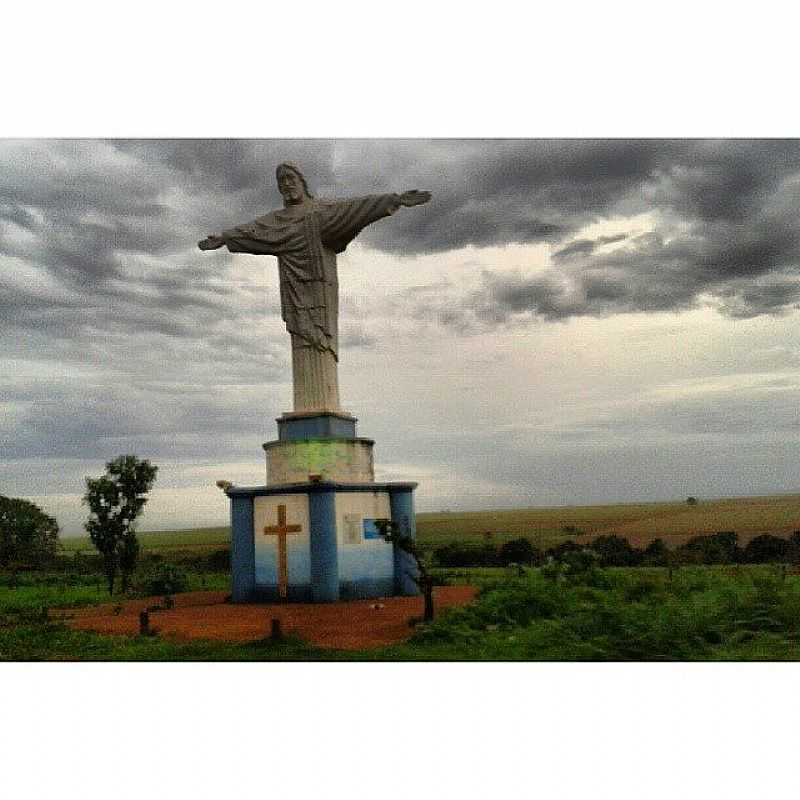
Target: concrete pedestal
[(310, 533)]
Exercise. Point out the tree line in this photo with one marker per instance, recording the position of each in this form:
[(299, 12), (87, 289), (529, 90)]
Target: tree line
[(616, 551)]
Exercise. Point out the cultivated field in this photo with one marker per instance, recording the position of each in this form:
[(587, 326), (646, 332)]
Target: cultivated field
[(640, 523)]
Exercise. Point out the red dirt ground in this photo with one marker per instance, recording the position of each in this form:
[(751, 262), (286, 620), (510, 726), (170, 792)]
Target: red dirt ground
[(353, 625)]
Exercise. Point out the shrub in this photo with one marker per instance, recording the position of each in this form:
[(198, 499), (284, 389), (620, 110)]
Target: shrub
[(614, 551), (718, 548), (562, 548), (580, 562), (656, 554), (519, 551), (766, 548), (219, 560), (794, 548), (463, 555), (165, 579)]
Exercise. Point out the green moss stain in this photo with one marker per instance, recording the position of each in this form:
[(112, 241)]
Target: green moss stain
[(317, 455)]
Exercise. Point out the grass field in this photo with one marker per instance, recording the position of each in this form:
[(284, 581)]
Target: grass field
[(640, 523), (707, 613), (196, 541), (642, 614)]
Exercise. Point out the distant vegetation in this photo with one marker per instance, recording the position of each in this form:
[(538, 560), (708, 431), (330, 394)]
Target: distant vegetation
[(673, 523), (28, 536), (616, 551)]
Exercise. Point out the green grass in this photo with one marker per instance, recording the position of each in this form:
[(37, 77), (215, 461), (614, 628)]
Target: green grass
[(750, 613), (196, 540), (42, 641), (702, 613)]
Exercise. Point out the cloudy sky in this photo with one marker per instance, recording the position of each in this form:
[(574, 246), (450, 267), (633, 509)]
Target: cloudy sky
[(566, 322)]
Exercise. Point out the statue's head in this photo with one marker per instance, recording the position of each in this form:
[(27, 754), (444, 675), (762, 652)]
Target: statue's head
[(291, 184)]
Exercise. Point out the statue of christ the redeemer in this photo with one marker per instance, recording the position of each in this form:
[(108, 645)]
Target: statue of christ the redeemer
[(305, 235)]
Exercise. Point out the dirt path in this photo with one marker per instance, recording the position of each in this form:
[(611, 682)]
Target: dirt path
[(354, 625)]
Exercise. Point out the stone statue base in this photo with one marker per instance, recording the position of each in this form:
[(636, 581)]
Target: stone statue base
[(314, 447), (310, 533)]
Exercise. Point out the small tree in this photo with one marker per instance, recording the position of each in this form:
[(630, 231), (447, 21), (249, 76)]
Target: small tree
[(115, 500), (391, 533), (27, 534)]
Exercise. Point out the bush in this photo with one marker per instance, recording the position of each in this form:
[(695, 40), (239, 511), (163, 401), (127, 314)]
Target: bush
[(766, 548), (718, 548), (580, 563), (560, 550), (463, 555), (219, 560), (614, 551), (656, 554), (519, 551), (794, 548), (165, 579)]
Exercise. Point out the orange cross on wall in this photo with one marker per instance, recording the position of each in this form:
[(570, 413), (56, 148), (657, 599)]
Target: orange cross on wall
[(280, 530)]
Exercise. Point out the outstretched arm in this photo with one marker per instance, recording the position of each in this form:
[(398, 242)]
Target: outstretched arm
[(211, 243), (258, 238), (414, 198), (343, 220)]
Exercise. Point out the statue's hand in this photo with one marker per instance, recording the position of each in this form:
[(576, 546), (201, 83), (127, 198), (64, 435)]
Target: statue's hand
[(211, 243), (414, 198)]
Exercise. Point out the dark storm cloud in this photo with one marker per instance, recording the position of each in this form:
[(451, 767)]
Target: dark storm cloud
[(89, 419), (777, 295), (726, 210), (81, 210), (499, 191), (237, 165), (585, 247), (743, 273)]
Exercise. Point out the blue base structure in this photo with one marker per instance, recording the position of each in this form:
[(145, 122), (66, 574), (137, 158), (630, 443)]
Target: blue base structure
[(311, 534), (333, 554)]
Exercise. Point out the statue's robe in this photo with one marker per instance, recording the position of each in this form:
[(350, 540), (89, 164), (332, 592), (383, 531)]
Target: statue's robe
[(306, 240)]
